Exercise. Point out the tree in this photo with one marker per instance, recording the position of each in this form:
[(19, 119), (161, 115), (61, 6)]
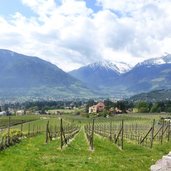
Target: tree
[(155, 108), (108, 104), (162, 106), (122, 105), (168, 106), (89, 103), (142, 107)]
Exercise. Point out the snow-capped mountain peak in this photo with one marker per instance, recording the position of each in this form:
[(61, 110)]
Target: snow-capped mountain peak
[(119, 67), (157, 61)]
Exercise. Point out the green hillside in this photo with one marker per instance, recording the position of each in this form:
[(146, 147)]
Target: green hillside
[(157, 95), (30, 77)]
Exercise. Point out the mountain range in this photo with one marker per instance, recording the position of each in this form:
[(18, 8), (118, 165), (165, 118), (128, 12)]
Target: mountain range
[(24, 76), (151, 74), (99, 74)]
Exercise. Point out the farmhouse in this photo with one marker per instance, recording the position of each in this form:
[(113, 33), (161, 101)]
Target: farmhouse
[(97, 108)]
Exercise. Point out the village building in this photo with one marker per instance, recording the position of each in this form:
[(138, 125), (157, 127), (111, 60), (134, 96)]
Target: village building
[(19, 112), (115, 110), (99, 107)]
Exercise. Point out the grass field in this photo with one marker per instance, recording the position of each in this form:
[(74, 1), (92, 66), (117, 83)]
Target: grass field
[(34, 154)]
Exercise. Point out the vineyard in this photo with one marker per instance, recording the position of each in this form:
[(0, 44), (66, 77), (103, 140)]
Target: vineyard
[(145, 135), (118, 143), (11, 134)]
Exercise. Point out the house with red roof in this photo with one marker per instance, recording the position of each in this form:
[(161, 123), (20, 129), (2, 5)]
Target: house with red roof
[(99, 107)]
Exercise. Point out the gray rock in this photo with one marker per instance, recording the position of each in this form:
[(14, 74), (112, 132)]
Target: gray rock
[(163, 164)]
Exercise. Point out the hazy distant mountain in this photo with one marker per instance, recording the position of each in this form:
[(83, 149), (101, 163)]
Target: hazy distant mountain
[(100, 74), (22, 75)]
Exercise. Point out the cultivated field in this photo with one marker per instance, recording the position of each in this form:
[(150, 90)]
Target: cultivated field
[(69, 142)]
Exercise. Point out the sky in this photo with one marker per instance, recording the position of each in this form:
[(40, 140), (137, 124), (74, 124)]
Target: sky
[(74, 33)]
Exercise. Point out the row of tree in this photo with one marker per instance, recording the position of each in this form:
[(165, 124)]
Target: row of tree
[(157, 107), (41, 106)]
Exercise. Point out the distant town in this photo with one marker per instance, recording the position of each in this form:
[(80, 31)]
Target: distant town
[(84, 107)]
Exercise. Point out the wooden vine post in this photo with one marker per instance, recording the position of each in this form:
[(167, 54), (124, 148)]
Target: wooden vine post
[(37, 129), (110, 136), (21, 128), (92, 136), (168, 138), (29, 129), (122, 135), (152, 134), (47, 132), (8, 140), (162, 131), (33, 129), (61, 129)]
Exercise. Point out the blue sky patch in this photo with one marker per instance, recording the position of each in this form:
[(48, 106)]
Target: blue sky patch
[(10, 7), (93, 5)]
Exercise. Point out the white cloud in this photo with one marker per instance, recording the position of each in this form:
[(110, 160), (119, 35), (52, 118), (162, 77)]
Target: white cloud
[(43, 8), (71, 35)]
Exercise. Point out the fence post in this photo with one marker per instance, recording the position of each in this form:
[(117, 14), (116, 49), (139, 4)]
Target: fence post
[(8, 140), (89, 129), (21, 128), (168, 138), (29, 129), (162, 131), (92, 136), (61, 133), (37, 129), (33, 131), (122, 134), (47, 134), (110, 136), (152, 134)]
